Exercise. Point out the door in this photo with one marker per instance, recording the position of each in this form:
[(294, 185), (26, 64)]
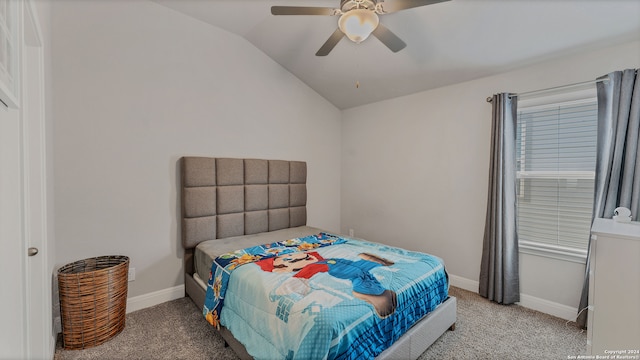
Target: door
[(25, 307), (39, 342), (40, 337), (12, 257)]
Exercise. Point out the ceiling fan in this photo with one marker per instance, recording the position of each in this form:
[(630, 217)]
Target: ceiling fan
[(358, 20)]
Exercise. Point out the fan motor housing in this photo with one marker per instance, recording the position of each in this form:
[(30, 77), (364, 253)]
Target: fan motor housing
[(346, 5)]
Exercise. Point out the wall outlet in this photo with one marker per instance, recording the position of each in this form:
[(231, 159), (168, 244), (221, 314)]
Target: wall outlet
[(132, 274), (351, 232)]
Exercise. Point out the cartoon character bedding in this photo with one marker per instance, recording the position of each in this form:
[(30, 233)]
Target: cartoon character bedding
[(322, 296)]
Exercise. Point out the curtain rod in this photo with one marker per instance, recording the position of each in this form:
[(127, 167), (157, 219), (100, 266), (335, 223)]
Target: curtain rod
[(490, 98)]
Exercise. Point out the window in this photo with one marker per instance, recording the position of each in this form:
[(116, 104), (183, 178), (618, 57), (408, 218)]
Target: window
[(556, 156)]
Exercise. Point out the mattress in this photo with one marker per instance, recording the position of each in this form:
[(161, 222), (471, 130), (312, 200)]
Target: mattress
[(208, 250), (321, 295)]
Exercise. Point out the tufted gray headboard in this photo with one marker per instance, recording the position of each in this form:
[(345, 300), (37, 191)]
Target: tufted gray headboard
[(225, 197)]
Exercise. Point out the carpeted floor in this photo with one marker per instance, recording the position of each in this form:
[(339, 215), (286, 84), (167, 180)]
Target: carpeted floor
[(484, 330)]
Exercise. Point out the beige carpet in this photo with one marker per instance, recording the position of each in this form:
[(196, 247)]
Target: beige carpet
[(484, 330)]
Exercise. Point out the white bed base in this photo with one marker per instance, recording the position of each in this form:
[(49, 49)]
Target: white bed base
[(415, 341), (410, 346)]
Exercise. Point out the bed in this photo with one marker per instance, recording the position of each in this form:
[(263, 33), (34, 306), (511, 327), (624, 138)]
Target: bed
[(254, 210)]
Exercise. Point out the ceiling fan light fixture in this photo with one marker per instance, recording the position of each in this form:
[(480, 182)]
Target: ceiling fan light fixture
[(358, 24)]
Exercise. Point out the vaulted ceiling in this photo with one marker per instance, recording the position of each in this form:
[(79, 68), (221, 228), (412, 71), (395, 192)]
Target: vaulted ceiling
[(447, 43)]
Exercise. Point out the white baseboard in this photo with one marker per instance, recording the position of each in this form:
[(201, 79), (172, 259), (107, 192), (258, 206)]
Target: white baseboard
[(548, 307), (464, 283), (528, 301), (154, 298)]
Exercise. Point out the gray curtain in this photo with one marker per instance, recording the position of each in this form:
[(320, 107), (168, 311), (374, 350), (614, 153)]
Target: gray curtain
[(499, 274), (617, 181)]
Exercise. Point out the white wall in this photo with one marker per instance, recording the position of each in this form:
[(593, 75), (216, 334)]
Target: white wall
[(415, 169), (136, 87)]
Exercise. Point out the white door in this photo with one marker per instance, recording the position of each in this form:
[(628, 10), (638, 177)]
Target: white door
[(25, 306), (40, 342), (12, 256)]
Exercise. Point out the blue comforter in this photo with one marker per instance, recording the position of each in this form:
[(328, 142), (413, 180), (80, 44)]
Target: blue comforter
[(322, 296)]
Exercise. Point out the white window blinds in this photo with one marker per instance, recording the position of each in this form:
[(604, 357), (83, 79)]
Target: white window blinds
[(556, 154)]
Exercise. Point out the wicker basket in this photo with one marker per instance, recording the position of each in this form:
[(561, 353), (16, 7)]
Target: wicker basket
[(93, 300)]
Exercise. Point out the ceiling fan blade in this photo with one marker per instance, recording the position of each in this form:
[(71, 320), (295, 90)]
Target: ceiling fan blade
[(393, 42), (330, 43), (397, 5), (302, 10)]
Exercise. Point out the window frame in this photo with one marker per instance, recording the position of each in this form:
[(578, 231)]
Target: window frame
[(567, 98)]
